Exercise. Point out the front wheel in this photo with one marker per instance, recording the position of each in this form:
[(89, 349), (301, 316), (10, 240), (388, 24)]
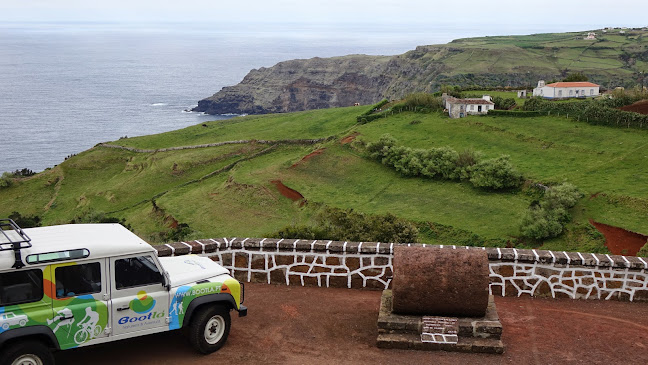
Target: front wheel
[(27, 353), (210, 328)]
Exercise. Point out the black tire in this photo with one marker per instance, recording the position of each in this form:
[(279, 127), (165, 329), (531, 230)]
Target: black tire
[(28, 353), (210, 328)]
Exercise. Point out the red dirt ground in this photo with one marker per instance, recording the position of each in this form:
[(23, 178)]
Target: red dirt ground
[(308, 156), (620, 241), (638, 107), (289, 193), (297, 325), (350, 138)]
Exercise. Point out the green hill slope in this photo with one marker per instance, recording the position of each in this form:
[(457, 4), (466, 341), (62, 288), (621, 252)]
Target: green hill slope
[(228, 190)]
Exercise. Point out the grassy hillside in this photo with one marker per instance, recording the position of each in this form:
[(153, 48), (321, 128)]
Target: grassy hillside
[(613, 54), (227, 190)]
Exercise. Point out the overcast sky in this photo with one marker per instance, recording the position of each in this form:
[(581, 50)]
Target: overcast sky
[(565, 13)]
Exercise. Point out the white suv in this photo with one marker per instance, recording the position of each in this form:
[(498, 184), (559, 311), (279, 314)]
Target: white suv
[(76, 285)]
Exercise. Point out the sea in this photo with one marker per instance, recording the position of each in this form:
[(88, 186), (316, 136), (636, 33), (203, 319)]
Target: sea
[(64, 87)]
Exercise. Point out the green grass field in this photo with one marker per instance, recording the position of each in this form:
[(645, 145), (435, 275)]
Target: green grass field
[(241, 200)]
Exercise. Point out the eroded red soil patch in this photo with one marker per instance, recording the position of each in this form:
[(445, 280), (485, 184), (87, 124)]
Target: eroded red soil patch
[(350, 138), (638, 107), (620, 241), (308, 156), (289, 193)]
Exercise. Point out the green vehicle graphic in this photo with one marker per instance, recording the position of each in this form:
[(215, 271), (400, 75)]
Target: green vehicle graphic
[(69, 286)]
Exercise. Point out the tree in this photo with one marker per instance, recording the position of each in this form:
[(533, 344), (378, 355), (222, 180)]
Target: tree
[(575, 76)]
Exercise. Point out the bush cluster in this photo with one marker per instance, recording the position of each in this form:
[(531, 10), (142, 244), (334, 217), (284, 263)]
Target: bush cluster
[(349, 225), (446, 163), (503, 103), (6, 180), (547, 218), (25, 221), (23, 173)]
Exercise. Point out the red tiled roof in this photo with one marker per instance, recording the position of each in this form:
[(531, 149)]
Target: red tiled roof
[(572, 84)]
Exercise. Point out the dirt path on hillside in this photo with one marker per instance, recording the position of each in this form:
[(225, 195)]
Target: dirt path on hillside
[(297, 325), (620, 241)]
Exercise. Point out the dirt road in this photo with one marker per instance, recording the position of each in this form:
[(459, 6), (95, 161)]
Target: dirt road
[(295, 325)]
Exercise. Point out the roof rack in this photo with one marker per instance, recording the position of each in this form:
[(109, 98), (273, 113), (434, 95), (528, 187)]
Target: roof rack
[(12, 237)]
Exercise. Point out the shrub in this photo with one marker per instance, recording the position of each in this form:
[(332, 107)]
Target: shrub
[(27, 221), (179, 233), (348, 225), (539, 223), (379, 149), (496, 174), (548, 218), (643, 251), (423, 100), (302, 232), (23, 173), (503, 103), (5, 180), (564, 195)]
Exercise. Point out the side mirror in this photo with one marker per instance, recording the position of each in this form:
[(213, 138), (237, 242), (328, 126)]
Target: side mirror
[(166, 280)]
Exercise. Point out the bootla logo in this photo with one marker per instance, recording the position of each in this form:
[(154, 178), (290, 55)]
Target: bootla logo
[(142, 304)]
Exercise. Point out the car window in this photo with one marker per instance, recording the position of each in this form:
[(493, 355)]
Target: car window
[(17, 287), (75, 280), (136, 271)]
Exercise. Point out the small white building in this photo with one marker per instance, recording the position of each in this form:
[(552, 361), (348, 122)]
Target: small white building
[(563, 90), (459, 108), (591, 35)]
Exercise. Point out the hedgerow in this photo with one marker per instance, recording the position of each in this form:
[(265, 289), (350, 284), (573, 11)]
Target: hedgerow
[(597, 112), (446, 163)]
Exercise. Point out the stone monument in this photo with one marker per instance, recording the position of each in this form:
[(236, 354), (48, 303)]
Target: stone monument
[(439, 301)]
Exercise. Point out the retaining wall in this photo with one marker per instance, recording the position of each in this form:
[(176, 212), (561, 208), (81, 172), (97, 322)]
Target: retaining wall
[(358, 265)]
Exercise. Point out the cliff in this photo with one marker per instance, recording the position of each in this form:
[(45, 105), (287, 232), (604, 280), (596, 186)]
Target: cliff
[(507, 61)]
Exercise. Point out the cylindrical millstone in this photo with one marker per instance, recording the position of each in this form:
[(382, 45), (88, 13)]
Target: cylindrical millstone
[(437, 281)]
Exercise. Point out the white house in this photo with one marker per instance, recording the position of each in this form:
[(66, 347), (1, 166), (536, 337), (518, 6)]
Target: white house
[(561, 90), (459, 108)]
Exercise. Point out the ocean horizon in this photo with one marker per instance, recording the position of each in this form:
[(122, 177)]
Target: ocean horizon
[(64, 87)]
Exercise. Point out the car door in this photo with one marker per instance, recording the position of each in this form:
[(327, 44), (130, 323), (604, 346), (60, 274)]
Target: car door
[(80, 303), (139, 297)]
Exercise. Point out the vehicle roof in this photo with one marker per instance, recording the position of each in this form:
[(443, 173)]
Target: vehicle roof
[(101, 239)]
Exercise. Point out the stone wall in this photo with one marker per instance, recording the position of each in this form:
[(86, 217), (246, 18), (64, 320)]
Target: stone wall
[(513, 272)]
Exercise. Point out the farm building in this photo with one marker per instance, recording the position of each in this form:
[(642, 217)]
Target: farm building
[(561, 90), (459, 108)]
